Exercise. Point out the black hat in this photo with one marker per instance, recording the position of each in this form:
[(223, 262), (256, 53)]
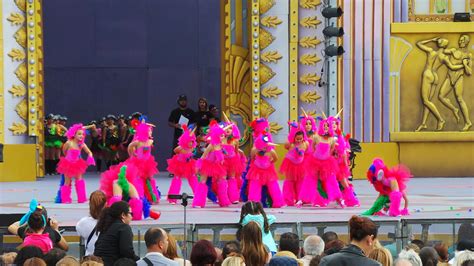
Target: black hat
[(102, 119), (465, 245), (49, 116), (93, 122), (182, 97), (111, 117), (212, 106), (136, 115), (63, 118)]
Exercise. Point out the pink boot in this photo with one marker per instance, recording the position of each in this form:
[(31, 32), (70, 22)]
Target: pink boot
[(200, 196), (66, 194), (175, 187), (255, 191), (318, 200), (289, 192), (137, 208), (222, 193), (395, 200), (349, 197), (331, 186), (193, 183), (275, 193), (81, 190), (308, 189), (114, 199), (234, 194)]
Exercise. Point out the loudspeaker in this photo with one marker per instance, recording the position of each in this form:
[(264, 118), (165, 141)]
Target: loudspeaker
[(462, 17), (1, 153)]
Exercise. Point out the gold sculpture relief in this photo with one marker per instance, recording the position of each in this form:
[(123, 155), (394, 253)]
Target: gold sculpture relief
[(21, 73), (309, 42), (266, 109), (271, 56), (309, 59), (265, 38), (310, 22), (18, 128), (22, 109), (271, 92), (17, 90), (309, 96), (20, 37), (266, 74), (16, 19), (311, 113), (21, 4), (265, 5), (310, 4), (270, 21), (310, 79), (275, 127), (17, 54)]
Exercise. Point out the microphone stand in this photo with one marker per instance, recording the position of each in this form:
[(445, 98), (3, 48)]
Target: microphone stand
[(184, 202)]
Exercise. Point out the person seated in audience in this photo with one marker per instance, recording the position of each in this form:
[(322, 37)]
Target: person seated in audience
[(27, 253), (253, 249), (329, 236), (402, 262), (313, 246), (234, 259), (68, 261), (125, 262), (8, 258), (333, 246), (381, 255), (429, 256), (465, 257), (203, 253), (442, 251), (232, 246), (289, 247), (36, 236), (86, 227), (411, 256), (156, 240), (315, 260), (362, 234), (172, 251), (34, 262), (53, 256)]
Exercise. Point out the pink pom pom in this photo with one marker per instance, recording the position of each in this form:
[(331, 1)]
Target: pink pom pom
[(90, 160)]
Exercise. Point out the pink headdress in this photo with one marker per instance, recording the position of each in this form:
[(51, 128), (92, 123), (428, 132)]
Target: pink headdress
[(215, 133), (235, 132), (305, 119), (186, 138), (321, 131), (259, 126), (294, 128), (263, 143), (142, 132), (71, 132)]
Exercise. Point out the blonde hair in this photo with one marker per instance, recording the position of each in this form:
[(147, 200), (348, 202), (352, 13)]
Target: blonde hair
[(381, 255), (68, 261), (8, 258), (172, 251), (91, 263), (234, 260), (34, 262)]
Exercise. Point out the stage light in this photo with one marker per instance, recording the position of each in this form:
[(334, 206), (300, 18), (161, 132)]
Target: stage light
[(334, 50), (332, 12), (333, 31)]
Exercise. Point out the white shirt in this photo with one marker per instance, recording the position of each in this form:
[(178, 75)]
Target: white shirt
[(84, 228)]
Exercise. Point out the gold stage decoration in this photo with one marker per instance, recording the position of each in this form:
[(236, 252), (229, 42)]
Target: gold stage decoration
[(275, 127), (270, 21), (265, 38), (21, 4), (265, 5), (309, 59), (21, 73), (17, 128), (311, 113), (271, 56), (266, 109), (309, 96), (310, 22), (309, 42), (17, 90), (22, 109), (271, 92), (266, 74), (20, 37), (17, 54), (16, 19), (310, 79), (310, 4)]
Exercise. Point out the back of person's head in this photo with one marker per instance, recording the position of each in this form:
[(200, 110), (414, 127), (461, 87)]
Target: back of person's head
[(27, 253), (464, 256), (381, 255), (97, 202), (415, 247), (8, 258), (230, 247), (315, 260), (419, 243), (92, 261), (34, 262), (442, 251), (465, 245), (234, 260), (37, 221), (334, 246), (53, 256), (125, 262), (154, 236), (465, 232), (468, 263), (329, 236), (429, 256), (403, 262), (253, 249), (361, 227), (203, 252), (313, 245), (411, 256), (68, 261), (172, 249), (111, 214), (254, 207), (290, 242), (282, 261)]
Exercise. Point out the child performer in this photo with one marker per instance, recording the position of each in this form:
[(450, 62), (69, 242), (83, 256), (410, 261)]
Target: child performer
[(72, 165), (391, 185), (183, 165), (211, 164), (293, 166)]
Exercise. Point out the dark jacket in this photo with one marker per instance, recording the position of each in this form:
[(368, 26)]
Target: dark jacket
[(350, 256), (115, 243)]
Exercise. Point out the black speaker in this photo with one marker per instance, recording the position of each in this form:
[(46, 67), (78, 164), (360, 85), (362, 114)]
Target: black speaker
[(462, 17), (1, 153)]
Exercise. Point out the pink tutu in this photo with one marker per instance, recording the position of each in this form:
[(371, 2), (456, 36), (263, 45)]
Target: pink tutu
[(322, 168), (147, 166), (264, 175), (292, 171), (108, 177), (181, 168), (71, 168), (403, 175), (211, 168), (234, 165), (344, 171)]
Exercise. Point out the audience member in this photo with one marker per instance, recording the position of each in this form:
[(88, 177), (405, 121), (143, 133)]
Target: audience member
[(460, 247), (86, 227), (27, 253), (411, 256), (315, 260), (172, 251), (203, 253), (202, 116), (230, 247), (253, 250), (313, 246), (283, 261), (442, 251), (36, 225), (92, 263), (181, 113), (53, 256), (381, 255), (403, 262), (68, 261), (419, 243), (34, 262), (253, 211), (125, 262), (333, 246), (219, 258), (329, 236), (464, 257), (415, 248), (92, 260), (214, 112), (362, 233), (8, 258), (289, 247), (468, 263), (429, 256), (234, 259), (156, 241), (115, 234)]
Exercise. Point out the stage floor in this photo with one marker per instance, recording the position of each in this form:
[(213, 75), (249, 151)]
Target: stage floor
[(430, 198)]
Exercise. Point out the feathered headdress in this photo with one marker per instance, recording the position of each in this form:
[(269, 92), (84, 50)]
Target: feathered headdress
[(263, 142), (294, 128), (71, 132), (215, 133), (187, 137)]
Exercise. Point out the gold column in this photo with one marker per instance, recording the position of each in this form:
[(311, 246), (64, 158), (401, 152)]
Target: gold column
[(238, 23), (40, 88), (2, 85), (293, 92), (255, 61)]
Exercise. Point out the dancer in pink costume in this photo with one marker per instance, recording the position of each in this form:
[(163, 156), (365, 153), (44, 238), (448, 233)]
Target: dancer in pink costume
[(72, 165), (141, 158), (322, 166), (211, 164), (262, 171), (309, 126), (293, 166), (183, 165), (342, 151), (233, 162), (391, 185)]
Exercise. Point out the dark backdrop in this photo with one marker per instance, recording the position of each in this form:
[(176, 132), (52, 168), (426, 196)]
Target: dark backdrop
[(122, 56)]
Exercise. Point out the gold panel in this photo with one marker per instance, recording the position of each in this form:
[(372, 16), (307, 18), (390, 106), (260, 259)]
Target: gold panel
[(293, 60), (265, 5), (16, 54), (431, 136), (18, 128), (40, 88), (259, 36), (310, 4), (271, 56), (16, 19), (19, 163), (266, 73), (309, 59), (22, 109), (265, 38), (275, 127), (309, 96), (17, 90), (388, 151), (2, 97), (20, 36), (270, 21), (266, 109), (309, 42), (310, 79), (310, 22), (271, 92), (21, 4), (21, 73)]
